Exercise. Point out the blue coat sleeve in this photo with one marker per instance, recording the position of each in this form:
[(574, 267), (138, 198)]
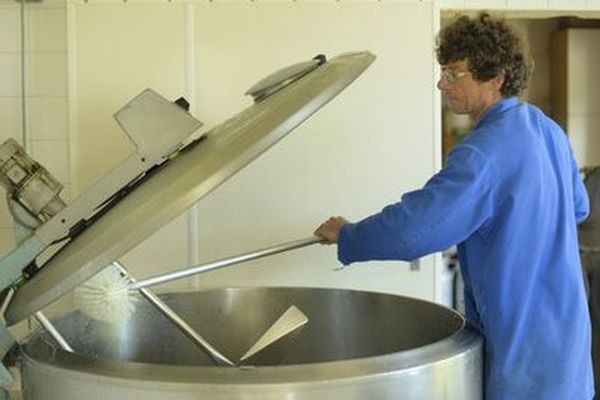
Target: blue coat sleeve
[(453, 204)]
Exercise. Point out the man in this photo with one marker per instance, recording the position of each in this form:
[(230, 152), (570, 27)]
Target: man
[(510, 196)]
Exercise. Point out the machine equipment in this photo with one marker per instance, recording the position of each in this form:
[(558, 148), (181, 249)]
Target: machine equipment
[(60, 246)]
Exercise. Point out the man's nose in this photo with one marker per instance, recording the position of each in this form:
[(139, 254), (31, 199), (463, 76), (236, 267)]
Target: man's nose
[(442, 84)]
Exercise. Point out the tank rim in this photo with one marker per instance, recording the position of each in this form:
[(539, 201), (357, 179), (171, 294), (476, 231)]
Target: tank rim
[(450, 349)]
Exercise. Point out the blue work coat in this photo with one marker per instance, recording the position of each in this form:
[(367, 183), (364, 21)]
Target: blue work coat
[(510, 196)]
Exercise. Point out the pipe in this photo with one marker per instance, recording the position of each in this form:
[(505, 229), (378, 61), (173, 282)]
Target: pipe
[(213, 265), (171, 315), (45, 322)]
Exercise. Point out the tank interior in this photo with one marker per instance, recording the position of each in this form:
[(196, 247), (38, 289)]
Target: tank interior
[(343, 325)]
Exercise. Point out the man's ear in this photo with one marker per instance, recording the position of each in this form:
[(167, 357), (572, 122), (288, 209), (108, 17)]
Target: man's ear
[(498, 80)]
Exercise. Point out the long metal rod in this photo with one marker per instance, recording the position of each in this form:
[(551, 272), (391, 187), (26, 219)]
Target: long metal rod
[(172, 316), (213, 265), (48, 326), (43, 321), (179, 322)]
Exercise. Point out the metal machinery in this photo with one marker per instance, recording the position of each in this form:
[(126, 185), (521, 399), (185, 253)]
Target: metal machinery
[(357, 344), (589, 247)]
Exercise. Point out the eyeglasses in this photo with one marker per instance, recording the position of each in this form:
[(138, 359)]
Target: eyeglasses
[(453, 76)]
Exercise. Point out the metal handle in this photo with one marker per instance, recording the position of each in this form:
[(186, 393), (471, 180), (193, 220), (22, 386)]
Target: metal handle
[(51, 329), (168, 312), (179, 322), (210, 266)]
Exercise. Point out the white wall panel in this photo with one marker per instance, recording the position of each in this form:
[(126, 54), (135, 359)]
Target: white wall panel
[(47, 118), (527, 4), (567, 4), (509, 5), (10, 78), (10, 118), (583, 98), (45, 29), (10, 98), (450, 3), (485, 4), (46, 74), (584, 134), (9, 28), (583, 77)]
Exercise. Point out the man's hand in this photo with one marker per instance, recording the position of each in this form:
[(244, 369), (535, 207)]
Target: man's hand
[(330, 229)]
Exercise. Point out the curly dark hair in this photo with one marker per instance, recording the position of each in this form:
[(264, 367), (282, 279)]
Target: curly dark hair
[(490, 46)]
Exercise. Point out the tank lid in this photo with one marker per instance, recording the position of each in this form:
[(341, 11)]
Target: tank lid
[(190, 176)]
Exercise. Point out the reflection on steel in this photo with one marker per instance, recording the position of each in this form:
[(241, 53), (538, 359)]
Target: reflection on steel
[(287, 326)]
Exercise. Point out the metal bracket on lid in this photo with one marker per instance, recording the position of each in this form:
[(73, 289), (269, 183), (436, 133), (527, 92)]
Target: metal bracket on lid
[(42, 219), (280, 79), (156, 125)]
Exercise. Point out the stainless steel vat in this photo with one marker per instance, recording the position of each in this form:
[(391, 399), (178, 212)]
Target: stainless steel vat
[(356, 345)]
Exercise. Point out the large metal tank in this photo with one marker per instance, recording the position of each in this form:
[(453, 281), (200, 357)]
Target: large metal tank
[(356, 345)]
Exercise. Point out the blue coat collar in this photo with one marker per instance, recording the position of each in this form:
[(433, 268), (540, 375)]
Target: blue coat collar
[(496, 110)]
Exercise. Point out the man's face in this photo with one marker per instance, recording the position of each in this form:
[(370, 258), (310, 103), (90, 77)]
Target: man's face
[(463, 93)]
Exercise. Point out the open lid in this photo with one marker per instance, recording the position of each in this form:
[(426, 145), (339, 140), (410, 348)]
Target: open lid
[(187, 178)]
